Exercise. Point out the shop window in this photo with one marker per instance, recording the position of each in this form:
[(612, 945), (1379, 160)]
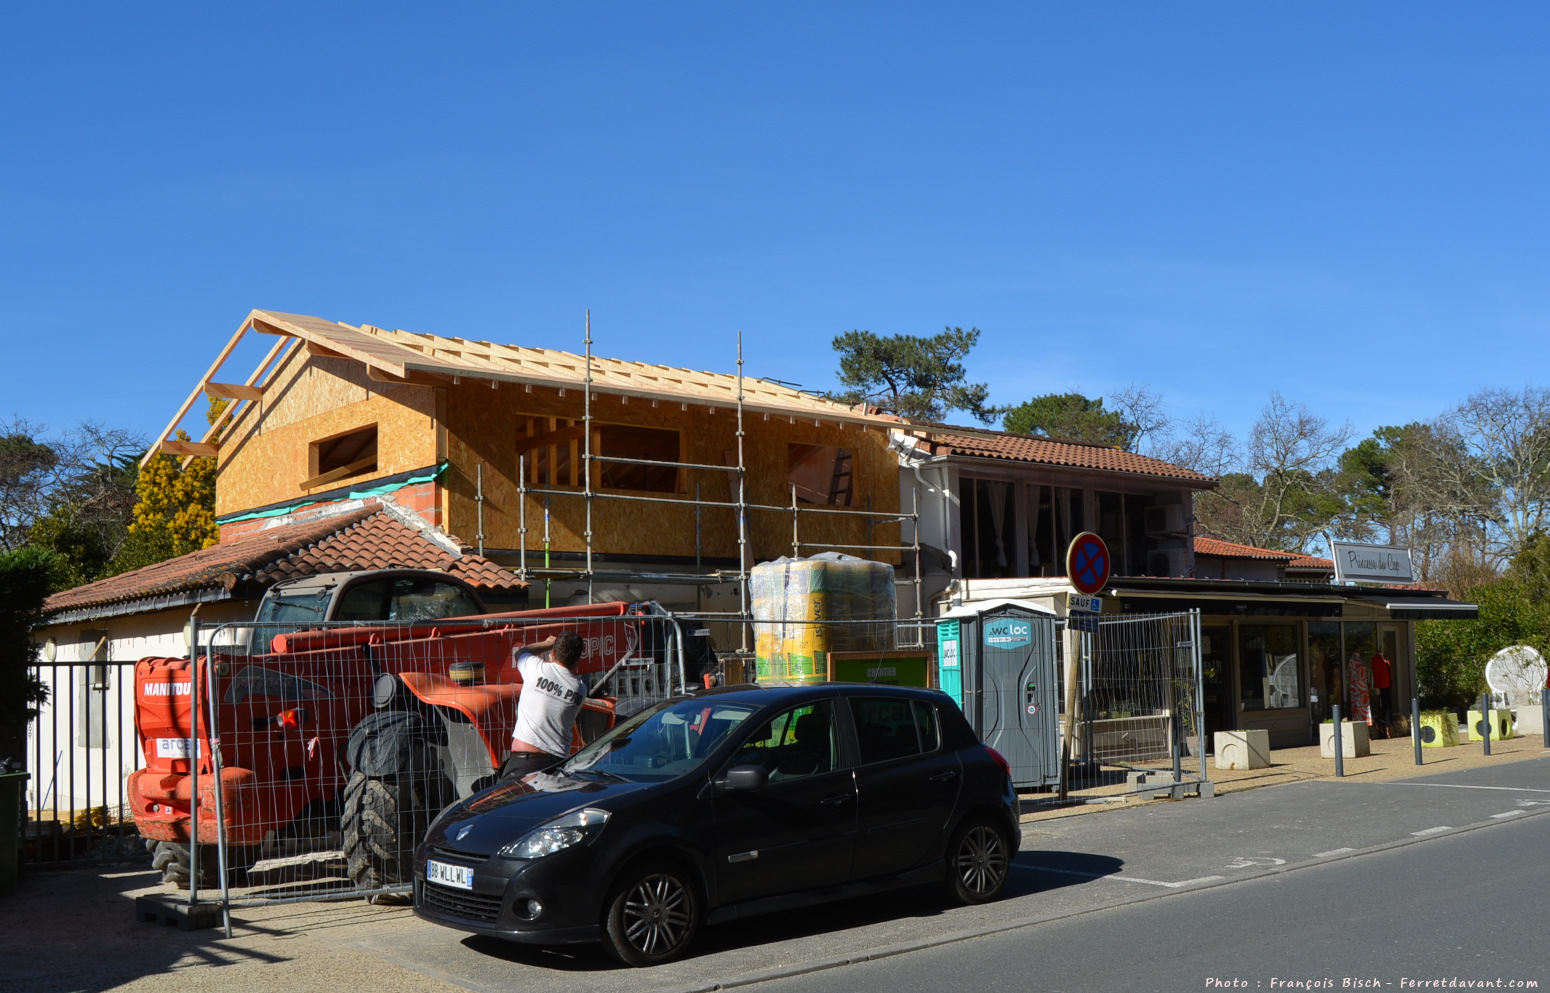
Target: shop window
[(1324, 673), (820, 474), (342, 456), (1269, 672)]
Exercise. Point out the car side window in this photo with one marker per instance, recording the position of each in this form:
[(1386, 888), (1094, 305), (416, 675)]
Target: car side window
[(890, 728), (796, 743), (362, 602)]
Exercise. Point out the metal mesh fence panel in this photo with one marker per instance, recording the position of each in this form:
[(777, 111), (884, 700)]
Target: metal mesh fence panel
[(335, 747), (1138, 700)]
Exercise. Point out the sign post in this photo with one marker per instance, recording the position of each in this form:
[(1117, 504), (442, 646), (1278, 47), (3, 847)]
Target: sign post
[(1087, 570)]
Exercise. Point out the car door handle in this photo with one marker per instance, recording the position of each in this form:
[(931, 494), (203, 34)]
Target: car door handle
[(836, 799), (945, 777)]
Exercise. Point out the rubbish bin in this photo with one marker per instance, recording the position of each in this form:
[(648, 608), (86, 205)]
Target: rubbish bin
[(10, 828)]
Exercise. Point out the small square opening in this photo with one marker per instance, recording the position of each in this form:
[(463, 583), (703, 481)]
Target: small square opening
[(342, 456)]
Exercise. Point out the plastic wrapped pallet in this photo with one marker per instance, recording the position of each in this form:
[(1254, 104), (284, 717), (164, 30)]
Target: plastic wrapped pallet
[(806, 608)]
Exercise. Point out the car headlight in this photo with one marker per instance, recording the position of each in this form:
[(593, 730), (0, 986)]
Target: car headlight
[(576, 828)]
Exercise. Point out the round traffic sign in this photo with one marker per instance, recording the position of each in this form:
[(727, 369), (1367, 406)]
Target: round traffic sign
[(1087, 563)]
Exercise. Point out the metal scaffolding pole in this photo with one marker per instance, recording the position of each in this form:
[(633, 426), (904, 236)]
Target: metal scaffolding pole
[(586, 457), (742, 504)]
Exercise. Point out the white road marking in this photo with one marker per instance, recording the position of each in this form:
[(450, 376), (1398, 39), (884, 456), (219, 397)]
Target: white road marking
[(1435, 830), (1248, 863), (1332, 852), (1509, 813), (1457, 786), (1122, 879)]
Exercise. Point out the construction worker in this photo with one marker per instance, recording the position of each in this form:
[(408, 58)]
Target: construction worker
[(551, 698)]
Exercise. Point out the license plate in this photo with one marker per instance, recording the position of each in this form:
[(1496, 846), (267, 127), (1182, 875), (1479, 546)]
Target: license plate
[(449, 875)]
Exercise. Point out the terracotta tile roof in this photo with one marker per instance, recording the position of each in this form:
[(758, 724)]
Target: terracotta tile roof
[(1025, 448), (1232, 550), (402, 352), (367, 538)]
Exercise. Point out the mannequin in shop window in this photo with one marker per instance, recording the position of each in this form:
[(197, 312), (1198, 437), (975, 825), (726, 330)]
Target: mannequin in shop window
[(1382, 678), (1358, 680)]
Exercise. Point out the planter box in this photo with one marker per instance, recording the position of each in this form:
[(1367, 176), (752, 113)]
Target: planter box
[(1353, 740), (1439, 730), (1501, 725), (1242, 749)]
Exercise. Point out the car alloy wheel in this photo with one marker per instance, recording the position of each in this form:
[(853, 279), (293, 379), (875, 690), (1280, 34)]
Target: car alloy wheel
[(979, 864), (653, 918)]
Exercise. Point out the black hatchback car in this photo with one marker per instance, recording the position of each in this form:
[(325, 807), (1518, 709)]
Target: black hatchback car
[(732, 802)]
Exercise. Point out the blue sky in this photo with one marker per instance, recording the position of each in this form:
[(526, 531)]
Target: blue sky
[(1345, 203)]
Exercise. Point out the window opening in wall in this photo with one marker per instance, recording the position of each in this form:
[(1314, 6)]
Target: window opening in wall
[(92, 691), (622, 441), (554, 447), (342, 456), (551, 445), (1111, 528), (822, 474), (989, 528)]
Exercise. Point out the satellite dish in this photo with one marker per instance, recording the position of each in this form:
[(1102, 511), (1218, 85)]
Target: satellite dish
[(1516, 673)]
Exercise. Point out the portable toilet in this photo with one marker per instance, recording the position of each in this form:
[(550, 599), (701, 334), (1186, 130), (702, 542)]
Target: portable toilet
[(997, 660)]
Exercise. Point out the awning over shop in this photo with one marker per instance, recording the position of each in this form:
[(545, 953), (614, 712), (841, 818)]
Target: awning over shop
[(1237, 605), (1427, 609)]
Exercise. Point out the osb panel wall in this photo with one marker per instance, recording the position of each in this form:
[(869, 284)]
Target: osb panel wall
[(483, 429), (264, 455)]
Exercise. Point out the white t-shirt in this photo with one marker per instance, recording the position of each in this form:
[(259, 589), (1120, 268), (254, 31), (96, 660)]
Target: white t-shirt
[(551, 698)]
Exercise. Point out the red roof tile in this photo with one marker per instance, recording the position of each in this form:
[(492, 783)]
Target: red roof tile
[(368, 538), (1025, 448), (1232, 550)]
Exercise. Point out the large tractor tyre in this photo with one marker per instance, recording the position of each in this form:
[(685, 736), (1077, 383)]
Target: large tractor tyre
[(396, 788), (172, 859), (383, 821)]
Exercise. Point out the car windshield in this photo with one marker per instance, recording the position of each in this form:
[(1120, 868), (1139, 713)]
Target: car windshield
[(301, 607), (661, 743)]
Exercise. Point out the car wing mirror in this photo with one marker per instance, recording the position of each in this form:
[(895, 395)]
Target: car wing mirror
[(743, 778)]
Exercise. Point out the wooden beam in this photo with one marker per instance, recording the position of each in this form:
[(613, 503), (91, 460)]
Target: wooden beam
[(318, 351), (550, 438), (413, 379), (173, 446), (214, 368), (229, 414), (343, 472), (231, 391)]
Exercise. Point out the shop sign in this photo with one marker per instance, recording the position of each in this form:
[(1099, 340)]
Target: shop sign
[(1371, 563)]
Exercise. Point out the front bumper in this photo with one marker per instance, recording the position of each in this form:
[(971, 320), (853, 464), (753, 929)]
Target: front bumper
[(566, 883)]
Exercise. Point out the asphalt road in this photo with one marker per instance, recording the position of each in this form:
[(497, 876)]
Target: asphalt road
[(1461, 907), (1358, 875)]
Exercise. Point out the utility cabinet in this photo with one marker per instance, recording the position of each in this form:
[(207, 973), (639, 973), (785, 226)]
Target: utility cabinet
[(997, 660)]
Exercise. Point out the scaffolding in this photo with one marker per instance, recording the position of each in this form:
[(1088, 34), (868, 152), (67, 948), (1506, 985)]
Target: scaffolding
[(741, 507)]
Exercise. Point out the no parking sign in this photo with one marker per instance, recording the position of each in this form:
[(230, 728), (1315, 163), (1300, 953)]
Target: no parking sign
[(1087, 563)]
